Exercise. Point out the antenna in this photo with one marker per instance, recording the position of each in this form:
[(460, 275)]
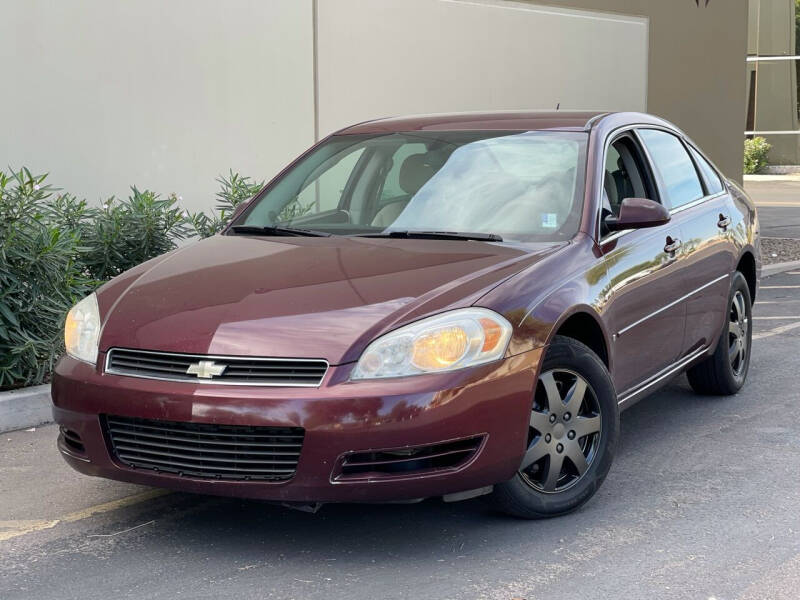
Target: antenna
[(558, 105)]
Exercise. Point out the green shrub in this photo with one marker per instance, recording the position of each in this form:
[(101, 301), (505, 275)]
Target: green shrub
[(755, 155), (124, 233), (55, 249), (234, 190), (40, 278)]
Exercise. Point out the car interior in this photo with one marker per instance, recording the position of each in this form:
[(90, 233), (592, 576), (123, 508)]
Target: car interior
[(626, 176), (362, 191), (415, 171)]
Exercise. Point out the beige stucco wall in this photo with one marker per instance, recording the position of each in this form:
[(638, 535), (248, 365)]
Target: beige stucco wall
[(696, 75)]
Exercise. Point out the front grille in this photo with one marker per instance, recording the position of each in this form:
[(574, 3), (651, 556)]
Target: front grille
[(236, 370), (404, 461), (204, 450)]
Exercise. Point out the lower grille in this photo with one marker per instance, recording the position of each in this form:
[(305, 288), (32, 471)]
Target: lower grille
[(206, 451), (403, 461), (72, 440)]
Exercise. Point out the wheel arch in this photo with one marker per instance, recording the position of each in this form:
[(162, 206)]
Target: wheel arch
[(747, 267), (584, 325)]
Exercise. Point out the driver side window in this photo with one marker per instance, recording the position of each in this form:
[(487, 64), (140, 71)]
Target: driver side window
[(626, 176)]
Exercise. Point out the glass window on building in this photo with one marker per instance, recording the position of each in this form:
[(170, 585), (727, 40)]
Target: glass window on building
[(773, 71)]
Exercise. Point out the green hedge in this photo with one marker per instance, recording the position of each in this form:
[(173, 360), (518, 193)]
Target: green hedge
[(55, 249), (755, 155)]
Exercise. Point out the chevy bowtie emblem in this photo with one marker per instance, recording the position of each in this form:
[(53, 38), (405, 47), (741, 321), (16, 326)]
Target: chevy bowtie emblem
[(206, 369)]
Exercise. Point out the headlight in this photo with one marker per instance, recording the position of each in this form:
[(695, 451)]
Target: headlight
[(446, 342), (82, 330)]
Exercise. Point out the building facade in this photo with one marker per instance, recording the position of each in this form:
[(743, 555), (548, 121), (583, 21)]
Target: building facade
[(167, 95), (773, 60)]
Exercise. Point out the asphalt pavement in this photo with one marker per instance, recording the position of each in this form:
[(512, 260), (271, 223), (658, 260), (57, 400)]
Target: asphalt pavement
[(701, 502), (778, 202)]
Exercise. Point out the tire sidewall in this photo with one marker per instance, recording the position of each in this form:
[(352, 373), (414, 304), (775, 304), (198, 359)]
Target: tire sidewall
[(738, 284), (568, 354)]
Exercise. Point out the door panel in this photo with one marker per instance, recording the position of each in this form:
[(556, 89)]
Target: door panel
[(644, 313), (709, 259)]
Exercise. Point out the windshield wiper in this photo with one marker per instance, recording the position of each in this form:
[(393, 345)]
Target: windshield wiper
[(278, 231), (436, 235)]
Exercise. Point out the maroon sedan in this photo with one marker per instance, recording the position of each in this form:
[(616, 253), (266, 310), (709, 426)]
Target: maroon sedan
[(448, 306)]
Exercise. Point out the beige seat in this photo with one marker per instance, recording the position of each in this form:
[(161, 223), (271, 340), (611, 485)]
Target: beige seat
[(415, 172)]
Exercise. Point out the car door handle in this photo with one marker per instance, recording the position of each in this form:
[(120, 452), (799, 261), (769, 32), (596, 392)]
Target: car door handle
[(723, 221), (672, 245)]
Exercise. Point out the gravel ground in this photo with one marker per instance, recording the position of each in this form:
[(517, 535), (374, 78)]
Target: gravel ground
[(775, 250)]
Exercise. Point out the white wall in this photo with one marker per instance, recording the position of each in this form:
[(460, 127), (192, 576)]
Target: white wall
[(394, 57), (161, 94), (167, 95)]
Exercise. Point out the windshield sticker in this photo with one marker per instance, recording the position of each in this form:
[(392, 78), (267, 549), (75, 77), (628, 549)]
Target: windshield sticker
[(549, 220)]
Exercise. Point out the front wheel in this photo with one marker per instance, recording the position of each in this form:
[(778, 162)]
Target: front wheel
[(573, 430), (724, 372)]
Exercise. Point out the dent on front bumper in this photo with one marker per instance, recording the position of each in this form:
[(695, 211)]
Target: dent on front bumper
[(339, 418)]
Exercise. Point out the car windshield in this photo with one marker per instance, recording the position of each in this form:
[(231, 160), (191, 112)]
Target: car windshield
[(521, 186)]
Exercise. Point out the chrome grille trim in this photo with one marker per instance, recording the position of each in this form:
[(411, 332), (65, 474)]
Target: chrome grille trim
[(240, 370)]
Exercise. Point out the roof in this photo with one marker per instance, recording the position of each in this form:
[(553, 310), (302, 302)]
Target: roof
[(562, 120)]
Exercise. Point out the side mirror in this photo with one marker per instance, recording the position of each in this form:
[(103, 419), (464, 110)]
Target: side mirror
[(637, 213)]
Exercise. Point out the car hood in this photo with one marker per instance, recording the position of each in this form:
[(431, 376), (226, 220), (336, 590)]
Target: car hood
[(298, 297)]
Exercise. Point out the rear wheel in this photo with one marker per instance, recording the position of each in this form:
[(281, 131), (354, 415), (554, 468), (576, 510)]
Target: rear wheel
[(724, 372), (573, 430)]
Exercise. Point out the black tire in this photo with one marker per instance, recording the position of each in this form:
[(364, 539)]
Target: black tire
[(531, 493), (724, 372)]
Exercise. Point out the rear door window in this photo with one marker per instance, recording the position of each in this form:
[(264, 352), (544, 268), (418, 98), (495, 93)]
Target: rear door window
[(679, 179)]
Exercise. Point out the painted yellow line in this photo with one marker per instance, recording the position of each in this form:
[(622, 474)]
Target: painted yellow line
[(18, 528), (776, 331), (780, 287)]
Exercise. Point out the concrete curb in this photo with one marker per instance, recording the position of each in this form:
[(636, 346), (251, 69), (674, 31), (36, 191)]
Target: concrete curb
[(782, 267), (788, 177), (26, 407)]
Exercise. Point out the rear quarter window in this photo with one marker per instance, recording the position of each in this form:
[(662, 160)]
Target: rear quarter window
[(713, 182)]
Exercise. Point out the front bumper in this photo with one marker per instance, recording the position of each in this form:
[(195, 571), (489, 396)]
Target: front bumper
[(339, 417)]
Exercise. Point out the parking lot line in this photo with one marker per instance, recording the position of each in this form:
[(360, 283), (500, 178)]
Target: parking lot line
[(780, 287), (18, 528), (776, 331), (778, 318)]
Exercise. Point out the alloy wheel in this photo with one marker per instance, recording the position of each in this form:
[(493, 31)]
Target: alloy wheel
[(738, 325), (564, 432)]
